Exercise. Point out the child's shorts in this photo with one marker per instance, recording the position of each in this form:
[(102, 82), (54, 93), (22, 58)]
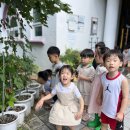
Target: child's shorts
[(114, 124)]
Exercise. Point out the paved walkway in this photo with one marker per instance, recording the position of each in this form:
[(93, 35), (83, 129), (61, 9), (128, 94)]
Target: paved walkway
[(39, 121)]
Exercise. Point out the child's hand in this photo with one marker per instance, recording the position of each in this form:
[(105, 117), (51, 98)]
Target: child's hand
[(119, 116), (80, 77), (78, 115), (32, 77), (39, 104)]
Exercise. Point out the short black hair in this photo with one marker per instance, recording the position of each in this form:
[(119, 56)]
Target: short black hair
[(49, 71), (102, 50), (87, 53), (43, 74), (100, 44), (66, 67), (113, 52), (53, 50)]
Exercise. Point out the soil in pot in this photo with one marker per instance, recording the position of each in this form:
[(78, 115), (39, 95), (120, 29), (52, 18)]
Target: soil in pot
[(23, 97), (7, 118), (31, 92), (33, 85), (17, 108)]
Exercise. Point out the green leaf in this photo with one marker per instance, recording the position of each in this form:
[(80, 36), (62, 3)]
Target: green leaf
[(11, 103)]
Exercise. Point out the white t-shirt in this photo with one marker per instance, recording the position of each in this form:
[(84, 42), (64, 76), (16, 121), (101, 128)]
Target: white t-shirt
[(60, 88)]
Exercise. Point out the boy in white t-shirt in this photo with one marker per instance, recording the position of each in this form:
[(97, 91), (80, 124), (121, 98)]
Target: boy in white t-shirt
[(54, 56)]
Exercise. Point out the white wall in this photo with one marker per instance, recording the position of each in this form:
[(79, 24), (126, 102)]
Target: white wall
[(40, 51), (80, 40), (57, 33)]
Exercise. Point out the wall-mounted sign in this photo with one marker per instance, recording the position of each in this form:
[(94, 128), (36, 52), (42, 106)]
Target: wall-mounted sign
[(94, 26), (75, 23)]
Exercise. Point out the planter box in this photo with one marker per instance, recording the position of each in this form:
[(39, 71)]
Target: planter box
[(12, 125), (33, 92), (35, 86), (20, 113), (27, 102)]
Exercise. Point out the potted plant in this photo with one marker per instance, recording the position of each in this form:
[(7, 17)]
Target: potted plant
[(20, 109), (8, 120), (33, 92), (36, 87)]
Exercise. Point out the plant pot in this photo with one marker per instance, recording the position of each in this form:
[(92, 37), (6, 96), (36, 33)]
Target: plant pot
[(34, 86), (33, 92), (12, 125), (21, 113), (26, 101)]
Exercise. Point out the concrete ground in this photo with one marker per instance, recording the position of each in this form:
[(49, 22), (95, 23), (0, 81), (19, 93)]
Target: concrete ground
[(39, 121)]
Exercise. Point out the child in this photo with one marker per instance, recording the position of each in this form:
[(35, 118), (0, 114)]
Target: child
[(113, 94), (93, 106), (47, 85), (54, 57), (97, 47), (86, 74), (67, 110), (43, 77)]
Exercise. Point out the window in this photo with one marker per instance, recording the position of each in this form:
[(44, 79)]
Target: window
[(36, 16), (38, 31), (36, 23), (14, 29), (13, 22)]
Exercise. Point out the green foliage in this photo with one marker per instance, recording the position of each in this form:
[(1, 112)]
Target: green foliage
[(17, 72), (71, 57), (22, 8), (17, 69)]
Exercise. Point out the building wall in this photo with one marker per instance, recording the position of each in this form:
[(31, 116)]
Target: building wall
[(39, 51), (81, 39), (57, 34), (49, 39)]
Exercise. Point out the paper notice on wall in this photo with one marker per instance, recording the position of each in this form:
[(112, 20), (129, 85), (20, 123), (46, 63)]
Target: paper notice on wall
[(81, 23)]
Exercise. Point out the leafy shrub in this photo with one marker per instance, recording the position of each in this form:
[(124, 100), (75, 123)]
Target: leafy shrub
[(71, 57)]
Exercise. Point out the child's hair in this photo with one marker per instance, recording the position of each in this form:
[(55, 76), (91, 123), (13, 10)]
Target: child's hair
[(102, 51), (100, 44), (53, 50), (87, 53), (113, 52), (66, 67), (49, 71), (43, 75)]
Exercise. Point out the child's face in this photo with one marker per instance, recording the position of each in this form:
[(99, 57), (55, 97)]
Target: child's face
[(40, 80), (65, 77), (53, 58), (85, 60), (113, 63)]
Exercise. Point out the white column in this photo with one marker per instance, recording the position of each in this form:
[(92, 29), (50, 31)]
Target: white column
[(111, 22)]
